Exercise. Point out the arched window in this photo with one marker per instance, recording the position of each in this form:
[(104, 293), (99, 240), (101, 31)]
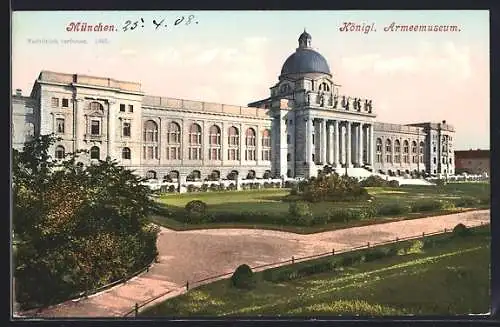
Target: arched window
[(194, 142), (150, 131), (150, 149), (414, 152), (405, 151), (379, 150), (95, 153), (266, 145), (421, 152), (126, 153), (388, 151), (60, 152), (214, 141), (250, 153), (233, 144), (397, 151), (174, 141)]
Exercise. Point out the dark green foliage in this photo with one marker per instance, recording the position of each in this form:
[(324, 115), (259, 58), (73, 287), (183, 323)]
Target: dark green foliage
[(393, 183), (375, 181), (300, 213), (76, 228), (428, 205), (332, 188), (461, 230), (467, 202), (393, 209), (243, 277), (195, 211)]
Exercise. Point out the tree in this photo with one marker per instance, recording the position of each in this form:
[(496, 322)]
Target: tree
[(76, 228)]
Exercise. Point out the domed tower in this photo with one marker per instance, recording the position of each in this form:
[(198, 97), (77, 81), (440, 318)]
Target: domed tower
[(305, 61)]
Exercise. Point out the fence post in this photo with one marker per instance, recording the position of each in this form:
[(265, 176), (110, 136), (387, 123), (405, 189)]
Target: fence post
[(423, 234), (368, 244), (293, 260), (187, 285), (136, 309), (333, 251), (445, 230)]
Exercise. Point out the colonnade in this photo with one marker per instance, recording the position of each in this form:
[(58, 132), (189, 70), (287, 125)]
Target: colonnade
[(339, 142)]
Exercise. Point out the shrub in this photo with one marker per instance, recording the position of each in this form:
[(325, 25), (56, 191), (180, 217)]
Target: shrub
[(204, 188), (214, 187), (171, 188), (426, 205), (338, 215), (294, 191), (300, 213), (394, 208), (191, 188), (375, 254), (352, 259), (461, 230), (333, 188), (466, 202), (320, 220), (195, 211), (393, 183), (243, 277), (374, 181)]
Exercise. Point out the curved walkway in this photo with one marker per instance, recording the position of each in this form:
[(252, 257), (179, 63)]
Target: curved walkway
[(198, 254)]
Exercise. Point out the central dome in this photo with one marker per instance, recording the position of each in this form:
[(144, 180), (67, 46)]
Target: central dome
[(305, 59)]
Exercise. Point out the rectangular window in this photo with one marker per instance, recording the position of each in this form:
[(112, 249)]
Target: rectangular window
[(54, 102), (122, 107), (126, 129), (95, 127), (130, 108), (60, 125), (65, 103)]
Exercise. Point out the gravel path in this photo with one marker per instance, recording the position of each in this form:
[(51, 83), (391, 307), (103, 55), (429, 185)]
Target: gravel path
[(197, 254)]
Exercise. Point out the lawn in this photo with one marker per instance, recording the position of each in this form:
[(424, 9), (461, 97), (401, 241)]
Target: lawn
[(449, 278), (275, 202)]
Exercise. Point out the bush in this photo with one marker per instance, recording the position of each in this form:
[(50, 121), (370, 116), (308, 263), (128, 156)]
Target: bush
[(394, 208), (461, 230), (300, 213), (393, 183), (243, 277), (214, 187), (426, 205), (333, 188), (204, 188), (171, 189), (466, 202), (195, 211), (374, 181)]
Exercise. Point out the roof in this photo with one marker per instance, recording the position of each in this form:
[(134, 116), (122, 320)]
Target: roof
[(472, 154)]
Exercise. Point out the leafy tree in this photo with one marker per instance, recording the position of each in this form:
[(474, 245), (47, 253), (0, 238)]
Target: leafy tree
[(75, 228)]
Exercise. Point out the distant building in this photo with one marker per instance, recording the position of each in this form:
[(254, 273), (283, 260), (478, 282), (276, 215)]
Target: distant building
[(303, 125), (472, 161)]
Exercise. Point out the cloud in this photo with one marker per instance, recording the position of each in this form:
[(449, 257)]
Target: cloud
[(128, 52)]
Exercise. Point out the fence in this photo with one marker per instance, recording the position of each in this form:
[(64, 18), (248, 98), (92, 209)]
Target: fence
[(292, 260)]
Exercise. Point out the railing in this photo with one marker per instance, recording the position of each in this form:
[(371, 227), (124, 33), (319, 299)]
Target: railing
[(292, 260)]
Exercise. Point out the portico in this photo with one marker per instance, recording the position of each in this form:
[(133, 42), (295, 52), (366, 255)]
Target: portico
[(341, 142)]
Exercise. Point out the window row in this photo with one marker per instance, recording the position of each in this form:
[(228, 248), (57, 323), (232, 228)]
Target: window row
[(397, 146), (150, 152), (150, 134), (54, 102)]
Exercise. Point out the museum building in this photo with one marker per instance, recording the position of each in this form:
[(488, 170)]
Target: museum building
[(305, 124)]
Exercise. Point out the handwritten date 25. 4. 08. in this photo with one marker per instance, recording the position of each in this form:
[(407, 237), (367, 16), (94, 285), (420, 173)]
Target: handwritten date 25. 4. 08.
[(130, 25)]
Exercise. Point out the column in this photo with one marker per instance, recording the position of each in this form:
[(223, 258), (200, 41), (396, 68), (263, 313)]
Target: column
[(76, 123), (323, 141), (348, 144), (242, 147), (308, 139), (223, 147), (330, 143), (336, 159), (360, 144), (370, 148)]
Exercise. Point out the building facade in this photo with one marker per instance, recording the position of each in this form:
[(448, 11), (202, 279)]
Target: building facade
[(474, 162), (305, 124)]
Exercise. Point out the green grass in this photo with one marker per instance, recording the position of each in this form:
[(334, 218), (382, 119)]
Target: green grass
[(450, 278), (276, 202)]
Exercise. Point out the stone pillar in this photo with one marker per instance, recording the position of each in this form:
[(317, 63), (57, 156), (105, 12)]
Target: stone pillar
[(370, 139), (309, 141), (336, 144), (330, 144), (348, 144), (77, 136), (323, 141), (360, 144), (182, 182), (243, 147), (258, 144)]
